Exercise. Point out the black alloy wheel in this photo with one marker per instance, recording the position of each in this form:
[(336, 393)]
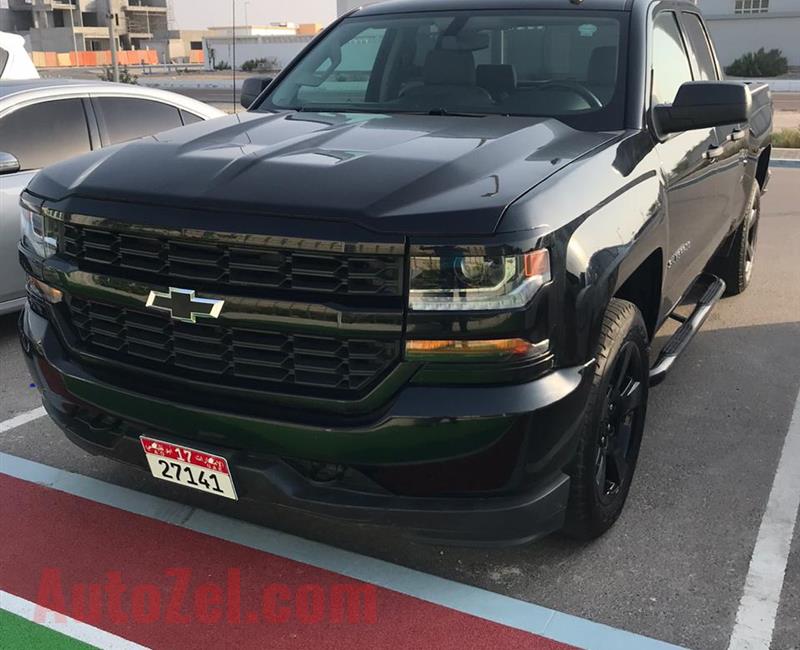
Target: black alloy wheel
[(623, 413)]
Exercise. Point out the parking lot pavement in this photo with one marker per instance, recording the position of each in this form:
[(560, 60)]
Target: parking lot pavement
[(674, 567), (17, 395)]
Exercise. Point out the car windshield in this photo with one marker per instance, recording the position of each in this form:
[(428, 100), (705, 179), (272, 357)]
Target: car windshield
[(563, 64)]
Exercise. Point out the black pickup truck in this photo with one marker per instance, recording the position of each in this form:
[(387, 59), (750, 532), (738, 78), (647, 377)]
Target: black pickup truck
[(417, 282)]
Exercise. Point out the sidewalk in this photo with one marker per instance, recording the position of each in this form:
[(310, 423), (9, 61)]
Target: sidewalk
[(208, 81), (786, 158)]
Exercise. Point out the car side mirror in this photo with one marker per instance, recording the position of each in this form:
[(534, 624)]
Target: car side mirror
[(9, 164), (252, 88), (704, 104)]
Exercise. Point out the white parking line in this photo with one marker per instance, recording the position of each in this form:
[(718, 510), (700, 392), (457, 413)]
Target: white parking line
[(758, 609), (64, 624), (22, 418)]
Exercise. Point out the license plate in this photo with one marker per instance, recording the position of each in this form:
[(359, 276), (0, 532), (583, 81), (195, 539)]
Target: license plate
[(189, 467)]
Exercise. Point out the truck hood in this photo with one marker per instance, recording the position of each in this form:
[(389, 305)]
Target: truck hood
[(389, 173)]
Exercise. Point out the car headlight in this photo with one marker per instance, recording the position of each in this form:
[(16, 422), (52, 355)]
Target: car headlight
[(465, 283), (39, 232)]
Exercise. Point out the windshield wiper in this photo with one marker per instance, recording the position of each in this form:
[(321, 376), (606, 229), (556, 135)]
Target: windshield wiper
[(438, 112), (443, 112), (345, 109)]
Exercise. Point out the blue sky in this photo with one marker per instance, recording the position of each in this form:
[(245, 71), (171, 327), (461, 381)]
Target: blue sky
[(198, 14)]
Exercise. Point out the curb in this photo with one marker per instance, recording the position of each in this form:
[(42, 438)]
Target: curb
[(775, 85), (784, 163), (191, 85)]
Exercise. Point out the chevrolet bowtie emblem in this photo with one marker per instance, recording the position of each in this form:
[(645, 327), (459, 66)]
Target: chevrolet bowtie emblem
[(183, 305)]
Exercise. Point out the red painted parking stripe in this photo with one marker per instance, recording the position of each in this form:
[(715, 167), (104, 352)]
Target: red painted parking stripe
[(61, 546)]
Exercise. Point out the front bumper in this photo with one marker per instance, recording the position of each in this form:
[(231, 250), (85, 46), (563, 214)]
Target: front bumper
[(531, 424)]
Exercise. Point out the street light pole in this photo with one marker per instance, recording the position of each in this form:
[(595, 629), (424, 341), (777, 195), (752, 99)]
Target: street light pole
[(74, 35), (112, 37), (233, 66)]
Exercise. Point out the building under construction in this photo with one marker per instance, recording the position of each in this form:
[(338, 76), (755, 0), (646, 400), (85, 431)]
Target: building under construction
[(83, 25), (60, 26)]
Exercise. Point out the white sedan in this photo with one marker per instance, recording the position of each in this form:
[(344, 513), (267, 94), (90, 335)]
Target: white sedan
[(44, 121)]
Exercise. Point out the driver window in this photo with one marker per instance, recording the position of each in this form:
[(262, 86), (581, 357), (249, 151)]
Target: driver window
[(671, 68)]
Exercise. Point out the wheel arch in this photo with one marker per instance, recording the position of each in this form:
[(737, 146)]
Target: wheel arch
[(643, 287), (762, 168)]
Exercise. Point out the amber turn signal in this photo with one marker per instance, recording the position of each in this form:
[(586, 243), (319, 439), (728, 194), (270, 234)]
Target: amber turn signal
[(537, 263), (495, 348), (44, 291)]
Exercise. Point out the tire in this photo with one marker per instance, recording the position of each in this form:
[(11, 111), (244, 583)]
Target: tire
[(737, 268), (613, 424)]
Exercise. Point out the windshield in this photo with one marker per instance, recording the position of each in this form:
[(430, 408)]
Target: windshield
[(563, 64)]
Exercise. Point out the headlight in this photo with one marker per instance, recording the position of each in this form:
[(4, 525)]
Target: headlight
[(39, 232), (464, 283)]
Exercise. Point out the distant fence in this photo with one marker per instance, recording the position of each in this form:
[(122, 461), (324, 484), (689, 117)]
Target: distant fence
[(103, 57)]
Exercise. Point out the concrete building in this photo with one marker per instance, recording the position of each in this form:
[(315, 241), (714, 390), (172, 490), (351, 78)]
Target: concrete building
[(741, 26), (82, 25), (180, 46), (246, 31), (273, 29)]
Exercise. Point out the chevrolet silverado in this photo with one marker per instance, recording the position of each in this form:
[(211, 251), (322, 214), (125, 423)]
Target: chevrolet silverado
[(418, 282)]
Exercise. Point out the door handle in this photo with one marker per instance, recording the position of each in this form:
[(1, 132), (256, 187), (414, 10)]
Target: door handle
[(714, 153), (736, 135)]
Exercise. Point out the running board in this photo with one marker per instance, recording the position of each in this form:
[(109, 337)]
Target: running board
[(677, 345)]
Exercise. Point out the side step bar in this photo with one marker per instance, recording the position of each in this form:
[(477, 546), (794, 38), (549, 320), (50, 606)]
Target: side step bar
[(688, 330)]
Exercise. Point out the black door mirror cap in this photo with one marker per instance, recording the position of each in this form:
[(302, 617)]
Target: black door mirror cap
[(704, 104), (252, 88), (9, 164)]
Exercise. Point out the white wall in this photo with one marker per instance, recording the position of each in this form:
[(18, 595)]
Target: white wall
[(283, 49), (736, 34), (733, 38), (726, 7)]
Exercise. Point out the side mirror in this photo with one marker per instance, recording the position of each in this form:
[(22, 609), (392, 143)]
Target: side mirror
[(8, 163), (252, 88), (704, 104)]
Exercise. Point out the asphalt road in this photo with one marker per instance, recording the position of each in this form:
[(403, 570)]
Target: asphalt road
[(674, 566), (787, 101), (219, 98)]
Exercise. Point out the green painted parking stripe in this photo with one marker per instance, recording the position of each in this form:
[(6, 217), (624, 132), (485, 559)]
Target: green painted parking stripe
[(25, 625), (16, 632)]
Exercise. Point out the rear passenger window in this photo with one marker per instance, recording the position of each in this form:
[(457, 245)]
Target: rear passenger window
[(3, 60), (190, 118), (123, 119), (671, 67), (45, 133), (699, 47)]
